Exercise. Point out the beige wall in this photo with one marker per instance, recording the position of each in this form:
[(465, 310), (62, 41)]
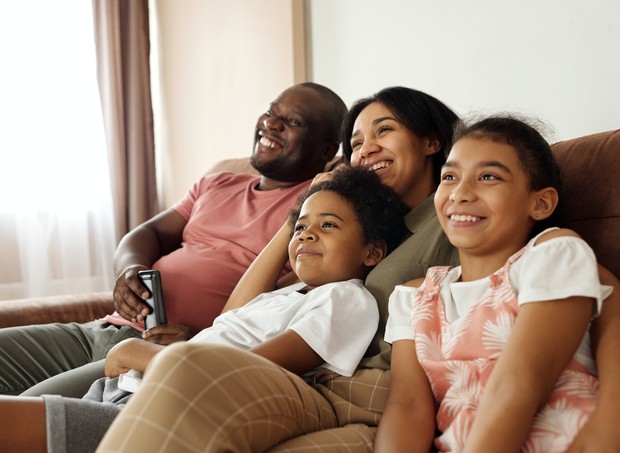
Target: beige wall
[(216, 67)]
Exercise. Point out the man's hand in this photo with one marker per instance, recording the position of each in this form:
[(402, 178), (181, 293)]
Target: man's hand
[(129, 294), (167, 334)]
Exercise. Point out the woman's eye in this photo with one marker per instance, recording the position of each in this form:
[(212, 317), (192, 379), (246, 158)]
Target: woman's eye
[(383, 129), (355, 145)]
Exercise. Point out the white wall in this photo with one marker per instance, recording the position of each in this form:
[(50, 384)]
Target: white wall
[(558, 60), (217, 66)]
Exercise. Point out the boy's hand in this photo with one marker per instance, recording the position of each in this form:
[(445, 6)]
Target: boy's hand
[(115, 362), (167, 334)]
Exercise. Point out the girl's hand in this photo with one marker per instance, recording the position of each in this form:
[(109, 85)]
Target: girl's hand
[(167, 334), (599, 435)]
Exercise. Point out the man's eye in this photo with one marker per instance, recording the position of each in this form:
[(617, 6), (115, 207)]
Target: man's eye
[(269, 112), (293, 122)]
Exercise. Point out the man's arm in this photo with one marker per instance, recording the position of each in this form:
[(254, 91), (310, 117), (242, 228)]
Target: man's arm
[(138, 250)]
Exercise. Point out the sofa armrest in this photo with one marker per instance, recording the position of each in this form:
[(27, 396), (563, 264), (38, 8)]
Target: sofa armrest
[(67, 308)]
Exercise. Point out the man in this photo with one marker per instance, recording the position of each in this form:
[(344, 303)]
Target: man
[(201, 246)]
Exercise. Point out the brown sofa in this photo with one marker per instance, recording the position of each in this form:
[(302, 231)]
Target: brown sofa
[(590, 168)]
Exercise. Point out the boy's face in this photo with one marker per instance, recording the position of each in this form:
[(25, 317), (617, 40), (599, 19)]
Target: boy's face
[(328, 242)]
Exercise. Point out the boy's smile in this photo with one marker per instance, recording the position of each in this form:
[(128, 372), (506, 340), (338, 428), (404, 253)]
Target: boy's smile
[(328, 241)]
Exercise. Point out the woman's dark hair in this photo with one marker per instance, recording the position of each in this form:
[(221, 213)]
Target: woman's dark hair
[(378, 208), (532, 149), (421, 113)]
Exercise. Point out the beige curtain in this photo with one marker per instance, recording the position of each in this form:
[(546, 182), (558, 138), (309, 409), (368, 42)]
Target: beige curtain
[(122, 43)]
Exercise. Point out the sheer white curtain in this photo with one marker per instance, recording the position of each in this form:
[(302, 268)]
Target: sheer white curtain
[(56, 218)]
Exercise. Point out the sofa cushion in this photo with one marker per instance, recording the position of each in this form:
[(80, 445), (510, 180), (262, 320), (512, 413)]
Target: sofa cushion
[(590, 169)]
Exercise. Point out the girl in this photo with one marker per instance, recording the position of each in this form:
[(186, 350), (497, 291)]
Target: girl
[(499, 343), (340, 230)]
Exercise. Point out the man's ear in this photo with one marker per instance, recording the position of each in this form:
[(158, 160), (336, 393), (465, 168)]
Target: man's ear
[(545, 202), (376, 251), (329, 151)]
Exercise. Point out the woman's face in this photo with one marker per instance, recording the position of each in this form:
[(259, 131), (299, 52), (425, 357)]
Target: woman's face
[(402, 159)]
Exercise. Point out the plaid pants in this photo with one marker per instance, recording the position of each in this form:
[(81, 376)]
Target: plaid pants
[(211, 398)]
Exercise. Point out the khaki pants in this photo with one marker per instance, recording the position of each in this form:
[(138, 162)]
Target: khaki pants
[(216, 399)]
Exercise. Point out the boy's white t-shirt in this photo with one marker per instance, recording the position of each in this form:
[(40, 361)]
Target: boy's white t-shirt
[(537, 275), (337, 320)]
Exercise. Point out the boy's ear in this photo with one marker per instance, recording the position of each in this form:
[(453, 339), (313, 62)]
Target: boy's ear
[(376, 252), (545, 202)]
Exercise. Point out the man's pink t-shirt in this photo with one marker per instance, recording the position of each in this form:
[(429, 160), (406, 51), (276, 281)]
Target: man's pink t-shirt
[(228, 224)]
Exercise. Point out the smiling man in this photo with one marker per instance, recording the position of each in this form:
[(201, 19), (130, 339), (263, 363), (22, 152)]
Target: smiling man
[(201, 246)]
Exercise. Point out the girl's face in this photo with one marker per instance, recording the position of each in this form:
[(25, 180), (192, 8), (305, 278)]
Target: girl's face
[(400, 158), (483, 201), (328, 242)]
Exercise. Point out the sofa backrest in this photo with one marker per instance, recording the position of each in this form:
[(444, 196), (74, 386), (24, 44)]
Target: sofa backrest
[(590, 169)]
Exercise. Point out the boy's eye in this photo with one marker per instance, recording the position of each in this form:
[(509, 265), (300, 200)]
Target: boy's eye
[(488, 177), (448, 177), (328, 225), (299, 228)]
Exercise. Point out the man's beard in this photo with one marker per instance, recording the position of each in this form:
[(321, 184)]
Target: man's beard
[(276, 168)]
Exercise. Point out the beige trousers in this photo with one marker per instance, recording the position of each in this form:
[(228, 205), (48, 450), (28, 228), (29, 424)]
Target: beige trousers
[(219, 399)]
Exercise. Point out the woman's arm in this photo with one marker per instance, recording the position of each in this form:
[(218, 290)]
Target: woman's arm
[(544, 339), (408, 422), (601, 433), (262, 275)]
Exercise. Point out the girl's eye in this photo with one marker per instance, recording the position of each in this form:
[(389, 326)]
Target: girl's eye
[(448, 177)]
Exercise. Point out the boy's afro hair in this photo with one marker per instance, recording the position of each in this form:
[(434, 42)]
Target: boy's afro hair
[(378, 208)]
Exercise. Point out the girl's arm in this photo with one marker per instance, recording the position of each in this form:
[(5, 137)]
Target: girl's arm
[(130, 354), (601, 434), (408, 422), (544, 339), (262, 275)]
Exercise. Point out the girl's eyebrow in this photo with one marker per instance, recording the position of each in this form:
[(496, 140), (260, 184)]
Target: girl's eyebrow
[(483, 164)]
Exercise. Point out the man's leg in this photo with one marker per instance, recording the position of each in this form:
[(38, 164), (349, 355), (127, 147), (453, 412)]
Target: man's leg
[(212, 398), (32, 354)]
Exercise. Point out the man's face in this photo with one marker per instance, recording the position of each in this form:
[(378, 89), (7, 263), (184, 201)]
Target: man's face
[(289, 140)]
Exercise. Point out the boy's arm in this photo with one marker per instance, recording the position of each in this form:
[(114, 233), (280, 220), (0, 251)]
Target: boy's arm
[(544, 339), (262, 275), (130, 354), (601, 434), (290, 351), (408, 422)]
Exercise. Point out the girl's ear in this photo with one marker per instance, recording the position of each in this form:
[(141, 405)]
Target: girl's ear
[(376, 251), (545, 202)]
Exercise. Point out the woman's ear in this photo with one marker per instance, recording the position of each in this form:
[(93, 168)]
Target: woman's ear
[(376, 251), (432, 146), (545, 202)]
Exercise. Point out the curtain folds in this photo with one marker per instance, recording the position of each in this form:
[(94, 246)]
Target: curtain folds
[(123, 71)]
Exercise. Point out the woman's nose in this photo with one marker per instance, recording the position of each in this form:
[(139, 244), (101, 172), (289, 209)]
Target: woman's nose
[(368, 148)]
